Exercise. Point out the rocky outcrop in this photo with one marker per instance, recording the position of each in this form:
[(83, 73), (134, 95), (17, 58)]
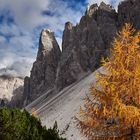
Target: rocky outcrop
[(11, 91), (83, 46), (129, 11), (43, 73)]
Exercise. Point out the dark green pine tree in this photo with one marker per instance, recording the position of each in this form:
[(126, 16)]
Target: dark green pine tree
[(18, 124)]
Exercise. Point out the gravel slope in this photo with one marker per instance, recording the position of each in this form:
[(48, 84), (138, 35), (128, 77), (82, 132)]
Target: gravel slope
[(63, 107)]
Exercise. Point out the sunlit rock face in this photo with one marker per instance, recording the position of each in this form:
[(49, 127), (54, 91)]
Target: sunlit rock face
[(43, 73), (11, 91)]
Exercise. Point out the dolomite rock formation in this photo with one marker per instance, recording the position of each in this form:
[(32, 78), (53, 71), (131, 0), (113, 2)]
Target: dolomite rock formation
[(83, 46), (43, 73), (11, 91)]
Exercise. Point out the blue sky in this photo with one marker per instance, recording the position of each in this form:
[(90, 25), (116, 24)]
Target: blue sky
[(21, 22)]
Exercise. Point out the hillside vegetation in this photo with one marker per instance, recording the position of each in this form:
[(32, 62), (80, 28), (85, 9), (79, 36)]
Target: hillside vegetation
[(20, 125)]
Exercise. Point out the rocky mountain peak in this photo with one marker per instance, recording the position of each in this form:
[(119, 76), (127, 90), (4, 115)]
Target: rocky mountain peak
[(68, 26), (106, 7), (66, 34), (83, 46), (91, 9), (47, 43), (43, 73)]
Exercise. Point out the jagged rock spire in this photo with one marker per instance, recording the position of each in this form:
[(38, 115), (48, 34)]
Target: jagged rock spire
[(43, 73), (91, 9)]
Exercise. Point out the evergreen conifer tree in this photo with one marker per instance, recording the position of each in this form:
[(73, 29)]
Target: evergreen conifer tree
[(18, 124)]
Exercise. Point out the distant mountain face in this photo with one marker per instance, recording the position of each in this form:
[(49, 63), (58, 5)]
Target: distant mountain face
[(11, 91), (82, 47), (43, 73)]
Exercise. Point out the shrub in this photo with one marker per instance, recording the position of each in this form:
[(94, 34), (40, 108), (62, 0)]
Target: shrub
[(18, 124)]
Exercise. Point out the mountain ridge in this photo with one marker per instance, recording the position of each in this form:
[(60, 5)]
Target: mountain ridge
[(11, 91), (83, 46)]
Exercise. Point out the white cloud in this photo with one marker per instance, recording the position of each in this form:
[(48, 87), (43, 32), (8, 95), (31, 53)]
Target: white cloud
[(9, 30), (17, 68), (17, 51), (2, 39), (14, 64), (27, 13), (19, 39)]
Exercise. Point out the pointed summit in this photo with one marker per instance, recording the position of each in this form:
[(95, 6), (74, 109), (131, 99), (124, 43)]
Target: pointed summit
[(43, 73), (106, 7), (91, 9), (47, 43)]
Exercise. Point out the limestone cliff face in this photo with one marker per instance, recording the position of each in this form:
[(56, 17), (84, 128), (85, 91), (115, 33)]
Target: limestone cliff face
[(43, 73), (84, 44), (82, 47), (11, 91)]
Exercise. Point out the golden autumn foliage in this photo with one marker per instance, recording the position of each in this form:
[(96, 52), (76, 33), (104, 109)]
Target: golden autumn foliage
[(118, 100)]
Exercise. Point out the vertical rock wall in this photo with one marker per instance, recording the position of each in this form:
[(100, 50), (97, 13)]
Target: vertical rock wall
[(83, 46)]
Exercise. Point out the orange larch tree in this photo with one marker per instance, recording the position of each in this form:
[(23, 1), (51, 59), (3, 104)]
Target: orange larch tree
[(117, 101)]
